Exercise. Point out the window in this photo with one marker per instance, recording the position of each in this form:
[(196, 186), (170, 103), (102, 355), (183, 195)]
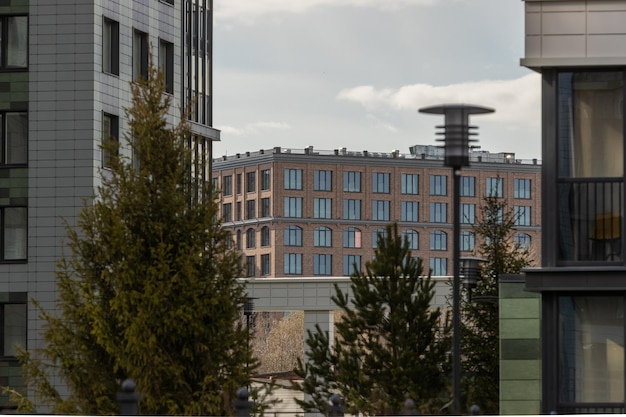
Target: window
[(238, 209), (380, 210), (250, 182), (410, 184), (265, 207), (250, 209), (266, 179), (410, 211), (14, 149), (522, 241), (438, 240), (14, 42), (322, 237), (293, 264), (322, 180), (322, 264), (166, 64), (227, 212), (522, 215), (238, 184), (413, 238), (250, 239), (293, 206), (266, 266), (493, 187), (352, 181), (380, 182), (438, 185), (468, 187), (351, 264), (13, 221), (238, 239), (110, 46), (250, 266), (322, 208), (13, 316), (227, 185), (439, 267), (468, 213), (140, 55), (521, 188), (293, 179), (110, 139), (438, 212), (352, 238), (376, 234), (265, 236), (352, 209), (467, 241), (293, 236)]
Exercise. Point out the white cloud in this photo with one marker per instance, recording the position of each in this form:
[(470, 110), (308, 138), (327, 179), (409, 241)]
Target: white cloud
[(516, 101), (253, 128)]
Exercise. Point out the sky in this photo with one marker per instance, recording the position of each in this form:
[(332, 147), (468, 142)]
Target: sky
[(353, 74)]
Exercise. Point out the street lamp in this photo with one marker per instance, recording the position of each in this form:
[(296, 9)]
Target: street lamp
[(248, 311), (470, 270), (456, 138)]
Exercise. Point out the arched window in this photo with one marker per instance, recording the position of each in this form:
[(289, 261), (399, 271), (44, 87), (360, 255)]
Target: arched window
[(293, 236), (522, 241), (322, 236), (352, 238), (382, 233), (438, 240), (250, 238), (413, 237), (238, 239)]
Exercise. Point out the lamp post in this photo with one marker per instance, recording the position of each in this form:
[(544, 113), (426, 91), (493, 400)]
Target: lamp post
[(456, 138), (248, 310), (470, 270)]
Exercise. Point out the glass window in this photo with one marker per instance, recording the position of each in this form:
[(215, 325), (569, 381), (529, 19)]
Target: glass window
[(265, 236), (110, 133), (322, 208), (238, 184), (266, 266), (293, 179), (380, 182), (439, 267), (15, 138), (410, 184), (227, 212), (493, 187), (250, 209), (266, 179), (227, 185), (250, 239), (438, 185), (438, 240), (293, 206), (352, 209), (468, 187), (238, 210), (110, 46), (239, 239), (380, 210), (250, 266), (352, 181), (250, 182), (322, 237), (322, 264), (166, 64), (13, 327), (351, 264), (293, 236), (410, 211), (467, 241), (352, 238), (140, 55), (521, 188), (438, 212), (14, 42), (468, 213), (522, 241), (322, 180), (13, 221), (265, 207), (522, 215), (376, 234), (413, 238), (293, 264)]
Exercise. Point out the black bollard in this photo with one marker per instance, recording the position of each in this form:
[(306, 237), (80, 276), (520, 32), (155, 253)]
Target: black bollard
[(474, 410), (243, 407), (128, 398), (335, 409), (409, 408)]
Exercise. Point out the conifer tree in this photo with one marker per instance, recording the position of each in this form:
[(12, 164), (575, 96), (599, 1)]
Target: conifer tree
[(480, 328), (148, 290), (390, 343)]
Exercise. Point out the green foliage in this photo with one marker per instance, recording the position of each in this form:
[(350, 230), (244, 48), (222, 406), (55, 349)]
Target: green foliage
[(149, 289), (480, 328), (390, 343)]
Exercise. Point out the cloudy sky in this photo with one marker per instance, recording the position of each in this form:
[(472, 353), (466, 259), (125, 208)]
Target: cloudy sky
[(352, 73)]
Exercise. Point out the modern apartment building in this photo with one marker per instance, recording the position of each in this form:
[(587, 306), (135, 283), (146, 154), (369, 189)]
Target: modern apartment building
[(65, 71), (318, 213)]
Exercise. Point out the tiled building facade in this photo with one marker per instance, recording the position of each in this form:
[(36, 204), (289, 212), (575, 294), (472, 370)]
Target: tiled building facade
[(65, 72), (316, 213)]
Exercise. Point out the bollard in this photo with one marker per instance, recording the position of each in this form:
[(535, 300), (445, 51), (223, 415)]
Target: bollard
[(474, 410), (335, 409), (409, 408), (128, 398), (243, 407)]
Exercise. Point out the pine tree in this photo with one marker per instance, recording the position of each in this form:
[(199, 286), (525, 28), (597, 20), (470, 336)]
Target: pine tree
[(148, 290), (480, 329), (391, 344)]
